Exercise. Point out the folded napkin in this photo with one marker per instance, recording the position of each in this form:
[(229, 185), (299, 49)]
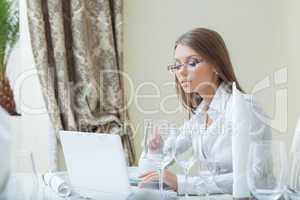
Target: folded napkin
[(57, 184), (240, 143), (296, 139)]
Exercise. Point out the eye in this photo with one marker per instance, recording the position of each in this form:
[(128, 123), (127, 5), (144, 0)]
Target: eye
[(193, 63)]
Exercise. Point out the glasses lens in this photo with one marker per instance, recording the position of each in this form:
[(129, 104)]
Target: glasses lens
[(172, 68)]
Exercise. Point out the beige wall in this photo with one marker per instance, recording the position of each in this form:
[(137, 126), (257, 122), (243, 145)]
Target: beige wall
[(261, 37)]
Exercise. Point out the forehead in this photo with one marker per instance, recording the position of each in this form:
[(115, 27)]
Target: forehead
[(182, 52)]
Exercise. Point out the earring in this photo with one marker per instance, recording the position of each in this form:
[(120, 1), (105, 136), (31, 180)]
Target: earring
[(217, 74)]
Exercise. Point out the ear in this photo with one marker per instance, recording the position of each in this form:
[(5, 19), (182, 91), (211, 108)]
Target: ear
[(216, 72)]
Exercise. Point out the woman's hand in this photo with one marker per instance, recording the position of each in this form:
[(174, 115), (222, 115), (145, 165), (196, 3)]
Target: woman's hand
[(169, 178), (156, 142)]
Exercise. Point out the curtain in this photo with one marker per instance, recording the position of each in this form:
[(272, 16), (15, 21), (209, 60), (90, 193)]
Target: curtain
[(77, 47)]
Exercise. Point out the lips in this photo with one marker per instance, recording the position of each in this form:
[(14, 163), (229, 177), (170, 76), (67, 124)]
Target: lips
[(185, 83)]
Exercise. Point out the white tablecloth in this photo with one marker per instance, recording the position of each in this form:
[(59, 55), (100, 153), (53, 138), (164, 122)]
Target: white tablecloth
[(23, 187)]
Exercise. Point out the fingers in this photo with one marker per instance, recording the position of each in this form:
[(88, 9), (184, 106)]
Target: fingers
[(156, 142), (169, 178), (145, 174), (153, 145), (150, 177)]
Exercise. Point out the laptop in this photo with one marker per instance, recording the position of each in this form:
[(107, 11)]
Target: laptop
[(96, 164)]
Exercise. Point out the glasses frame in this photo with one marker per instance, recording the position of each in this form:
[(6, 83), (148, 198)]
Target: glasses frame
[(173, 68)]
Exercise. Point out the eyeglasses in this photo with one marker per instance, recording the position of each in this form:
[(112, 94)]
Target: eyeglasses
[(190, 65)]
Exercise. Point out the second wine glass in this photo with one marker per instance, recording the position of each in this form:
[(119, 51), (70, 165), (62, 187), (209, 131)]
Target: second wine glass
[(267, 170), (159, 145)]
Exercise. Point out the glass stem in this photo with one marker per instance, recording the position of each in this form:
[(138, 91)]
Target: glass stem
[(161, 180), (207, 196), (207, 192), (186, 172)]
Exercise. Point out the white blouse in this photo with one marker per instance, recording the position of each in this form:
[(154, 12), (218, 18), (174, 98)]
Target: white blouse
[(215, 141)]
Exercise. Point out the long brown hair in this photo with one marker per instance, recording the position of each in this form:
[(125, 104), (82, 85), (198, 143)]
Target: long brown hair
[(210, 45)]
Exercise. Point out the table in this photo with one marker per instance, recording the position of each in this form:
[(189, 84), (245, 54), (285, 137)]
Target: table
[(22, 187)]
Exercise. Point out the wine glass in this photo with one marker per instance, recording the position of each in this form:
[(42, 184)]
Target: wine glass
[(267, 169), (186, 158), (159, 146), (209, 168), (293, 190)]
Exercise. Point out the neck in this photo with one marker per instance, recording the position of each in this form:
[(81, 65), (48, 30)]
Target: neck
[(208, 92)]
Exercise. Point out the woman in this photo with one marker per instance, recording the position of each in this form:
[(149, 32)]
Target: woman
[(204, 76)]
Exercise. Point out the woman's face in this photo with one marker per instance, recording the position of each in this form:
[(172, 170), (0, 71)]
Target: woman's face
[(193, 79)]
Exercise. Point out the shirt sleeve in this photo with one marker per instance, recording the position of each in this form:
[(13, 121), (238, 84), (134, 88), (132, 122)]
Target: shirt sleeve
[(198, 185)]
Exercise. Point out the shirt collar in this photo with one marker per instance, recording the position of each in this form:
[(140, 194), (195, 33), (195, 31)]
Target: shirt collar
[(218, 103)]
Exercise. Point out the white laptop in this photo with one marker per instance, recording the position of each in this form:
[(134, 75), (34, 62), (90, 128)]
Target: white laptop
[(96, 164)]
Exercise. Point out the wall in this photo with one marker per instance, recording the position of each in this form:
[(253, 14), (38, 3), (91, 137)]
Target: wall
[(261, 37)]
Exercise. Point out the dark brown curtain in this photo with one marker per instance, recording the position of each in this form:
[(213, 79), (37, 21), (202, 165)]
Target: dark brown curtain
[(77, 46)]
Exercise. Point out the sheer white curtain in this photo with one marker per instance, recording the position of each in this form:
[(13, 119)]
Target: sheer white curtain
[(35, 131), (5, 143)]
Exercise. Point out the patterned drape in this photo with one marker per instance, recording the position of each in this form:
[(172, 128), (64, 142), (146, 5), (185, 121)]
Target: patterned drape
[(77, 46)]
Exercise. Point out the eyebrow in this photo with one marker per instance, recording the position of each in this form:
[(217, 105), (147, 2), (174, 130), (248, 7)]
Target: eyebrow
[(189, 57)]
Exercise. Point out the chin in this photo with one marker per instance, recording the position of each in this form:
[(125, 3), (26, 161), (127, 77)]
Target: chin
[(188, 90)]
